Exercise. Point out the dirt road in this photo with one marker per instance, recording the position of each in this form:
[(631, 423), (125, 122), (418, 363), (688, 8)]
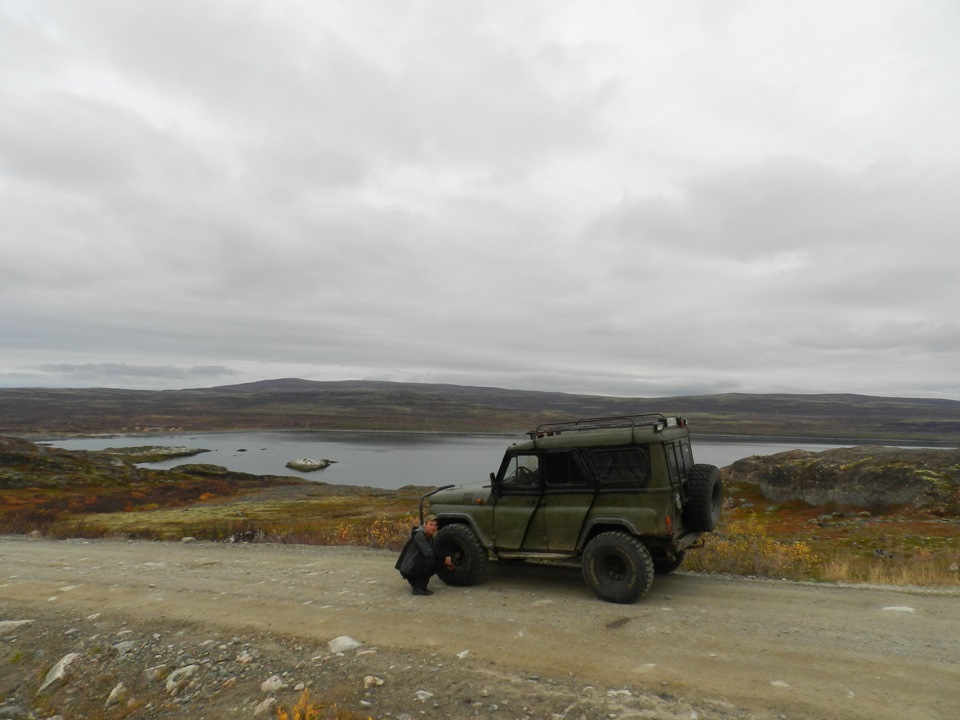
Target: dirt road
[(728, 647)]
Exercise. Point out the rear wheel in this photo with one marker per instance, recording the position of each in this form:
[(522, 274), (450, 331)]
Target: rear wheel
[(468, 555), (664, 563), (704, 498), (617, 567)]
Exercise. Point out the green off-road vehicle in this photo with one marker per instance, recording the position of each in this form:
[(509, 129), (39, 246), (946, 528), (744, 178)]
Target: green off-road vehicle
[(619, 496)]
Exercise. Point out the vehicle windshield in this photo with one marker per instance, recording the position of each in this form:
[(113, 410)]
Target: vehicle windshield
[(522, 471)]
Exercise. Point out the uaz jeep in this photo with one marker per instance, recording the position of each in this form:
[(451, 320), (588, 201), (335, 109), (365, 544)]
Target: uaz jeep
[(620, 496)]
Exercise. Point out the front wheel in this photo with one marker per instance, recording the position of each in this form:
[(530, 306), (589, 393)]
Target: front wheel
[(617, 567), (468, 555)]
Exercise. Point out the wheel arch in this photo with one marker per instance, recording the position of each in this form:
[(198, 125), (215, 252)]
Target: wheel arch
[(606, 524), (445, 519)]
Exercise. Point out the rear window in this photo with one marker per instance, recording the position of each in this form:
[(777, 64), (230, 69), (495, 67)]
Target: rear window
[(679, 459), (621, 467)]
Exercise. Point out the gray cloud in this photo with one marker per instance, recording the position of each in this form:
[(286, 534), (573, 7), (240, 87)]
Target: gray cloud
[(644, 201)]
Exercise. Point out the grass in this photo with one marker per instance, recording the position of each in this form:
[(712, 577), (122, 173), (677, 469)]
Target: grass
[(365, 518), (743, 547), (797, 541), (306, 709), (923, 569)]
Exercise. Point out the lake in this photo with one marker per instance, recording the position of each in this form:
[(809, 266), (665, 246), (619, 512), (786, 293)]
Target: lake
[(377, 459)]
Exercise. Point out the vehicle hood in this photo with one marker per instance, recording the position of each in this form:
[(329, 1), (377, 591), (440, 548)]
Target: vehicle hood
[(463, 495)]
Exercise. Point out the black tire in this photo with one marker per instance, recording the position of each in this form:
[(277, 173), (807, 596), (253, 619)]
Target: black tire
[(617, 567), (664, 564), (468, 555), (704, 498)]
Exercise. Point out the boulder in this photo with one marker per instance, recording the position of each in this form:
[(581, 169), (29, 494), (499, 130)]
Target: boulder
[(865, 477), (309, 464), (57, 673)]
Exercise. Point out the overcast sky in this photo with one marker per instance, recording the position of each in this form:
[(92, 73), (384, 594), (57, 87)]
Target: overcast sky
[(614, 198)]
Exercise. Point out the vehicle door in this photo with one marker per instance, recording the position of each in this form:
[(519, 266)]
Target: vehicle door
[(518, 489), (568, 492)]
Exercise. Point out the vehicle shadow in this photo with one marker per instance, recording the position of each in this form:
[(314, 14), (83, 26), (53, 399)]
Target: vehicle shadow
[(566, 581)]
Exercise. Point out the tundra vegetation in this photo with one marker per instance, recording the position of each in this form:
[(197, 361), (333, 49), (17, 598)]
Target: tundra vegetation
[(876, 515)]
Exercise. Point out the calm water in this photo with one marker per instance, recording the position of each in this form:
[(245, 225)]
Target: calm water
[(384, 460)]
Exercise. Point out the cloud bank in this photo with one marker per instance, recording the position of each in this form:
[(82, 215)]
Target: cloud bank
[(617, 198)]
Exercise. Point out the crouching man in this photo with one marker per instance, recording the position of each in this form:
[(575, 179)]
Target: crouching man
[(418, 562)]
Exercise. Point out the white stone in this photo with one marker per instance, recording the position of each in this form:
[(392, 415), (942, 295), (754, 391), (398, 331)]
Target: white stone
[(271, 684), (900, 608), (423, 695), (181, 675), (265, 706), (8, 626), (342, 644), (58, 671), (117, 695)]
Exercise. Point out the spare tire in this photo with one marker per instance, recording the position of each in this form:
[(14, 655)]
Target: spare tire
[(701, 512)]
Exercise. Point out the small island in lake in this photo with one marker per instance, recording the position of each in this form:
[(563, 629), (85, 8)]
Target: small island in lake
[(309, 464), (152, 453)]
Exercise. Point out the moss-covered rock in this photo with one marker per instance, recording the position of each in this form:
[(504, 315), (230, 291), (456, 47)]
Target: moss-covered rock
[(865, 477)]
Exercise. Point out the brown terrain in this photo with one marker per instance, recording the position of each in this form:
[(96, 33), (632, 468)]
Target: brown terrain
[(204, 629)]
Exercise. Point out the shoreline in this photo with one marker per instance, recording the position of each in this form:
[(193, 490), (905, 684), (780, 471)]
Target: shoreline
[(722, 439)]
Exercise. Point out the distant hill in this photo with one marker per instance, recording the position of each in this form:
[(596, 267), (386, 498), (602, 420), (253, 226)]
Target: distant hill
[(370, 405)]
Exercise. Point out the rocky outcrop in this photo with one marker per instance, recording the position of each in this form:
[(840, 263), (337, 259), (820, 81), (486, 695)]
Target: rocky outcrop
[(873, 478), (152, 453)]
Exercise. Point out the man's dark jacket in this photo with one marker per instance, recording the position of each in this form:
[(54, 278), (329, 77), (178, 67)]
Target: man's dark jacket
[(417, 556)]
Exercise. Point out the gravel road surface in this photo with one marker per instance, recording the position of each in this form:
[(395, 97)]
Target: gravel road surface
[(528, 642)]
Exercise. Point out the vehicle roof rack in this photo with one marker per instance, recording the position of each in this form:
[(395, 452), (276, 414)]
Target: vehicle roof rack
[(598, 423)]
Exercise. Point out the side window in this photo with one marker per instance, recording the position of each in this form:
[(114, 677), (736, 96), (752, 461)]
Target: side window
[(562, 471), (622, 467), (522, 473)]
